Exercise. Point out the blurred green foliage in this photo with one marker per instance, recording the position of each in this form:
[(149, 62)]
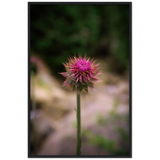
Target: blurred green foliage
[(60, 31), (121, 125), (112, 115), (110, 145), (100, 141)]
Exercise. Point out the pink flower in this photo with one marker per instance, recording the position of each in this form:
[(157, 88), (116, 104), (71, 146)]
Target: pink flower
[(80, 73), (36, 61), (35, 65)]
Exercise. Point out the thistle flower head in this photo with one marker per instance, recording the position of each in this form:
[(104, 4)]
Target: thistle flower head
[(35, 64), (80, 73)]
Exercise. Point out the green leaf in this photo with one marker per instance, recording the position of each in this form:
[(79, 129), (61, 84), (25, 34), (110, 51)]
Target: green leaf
[(81, 89), (74, 87), (86, 89)]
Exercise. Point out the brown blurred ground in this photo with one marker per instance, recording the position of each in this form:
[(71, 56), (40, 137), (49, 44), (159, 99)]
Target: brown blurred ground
[(56, 117)]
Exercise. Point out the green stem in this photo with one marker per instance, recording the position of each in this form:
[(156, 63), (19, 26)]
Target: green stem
[(78, 125), (34, 111)]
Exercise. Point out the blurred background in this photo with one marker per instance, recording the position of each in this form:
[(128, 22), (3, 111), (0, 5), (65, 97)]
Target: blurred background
[(97, 31)]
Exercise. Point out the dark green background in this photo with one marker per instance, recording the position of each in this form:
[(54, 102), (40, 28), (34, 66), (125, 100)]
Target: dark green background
[(100, 31)]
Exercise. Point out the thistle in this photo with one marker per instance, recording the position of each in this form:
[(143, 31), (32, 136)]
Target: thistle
[(80, 74), (35, 66)]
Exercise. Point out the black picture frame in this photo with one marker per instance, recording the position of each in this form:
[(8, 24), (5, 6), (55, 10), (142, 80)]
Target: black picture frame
[(131, 75)]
